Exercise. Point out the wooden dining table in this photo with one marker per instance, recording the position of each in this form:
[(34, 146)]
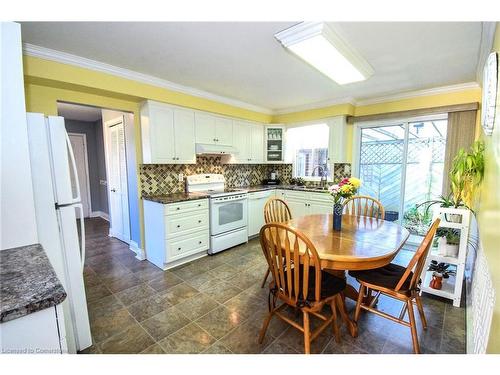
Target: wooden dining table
[(363, 243)]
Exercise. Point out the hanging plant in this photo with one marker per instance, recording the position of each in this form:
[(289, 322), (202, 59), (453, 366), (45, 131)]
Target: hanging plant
[(467, 173)]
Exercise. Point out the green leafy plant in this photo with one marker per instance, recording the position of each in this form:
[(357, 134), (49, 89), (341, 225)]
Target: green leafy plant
[(441, 269), (417, 220), (467, 173), (452, 235)]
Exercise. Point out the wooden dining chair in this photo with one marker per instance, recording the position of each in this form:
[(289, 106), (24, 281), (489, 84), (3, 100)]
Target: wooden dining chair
[(400, 283), (299, 282), (275, 211), (364, 205)]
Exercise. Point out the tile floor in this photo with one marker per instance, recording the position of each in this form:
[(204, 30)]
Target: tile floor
[(215, 305)]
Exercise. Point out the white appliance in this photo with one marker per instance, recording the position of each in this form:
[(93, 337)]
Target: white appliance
[(228, 210), (56, 207)]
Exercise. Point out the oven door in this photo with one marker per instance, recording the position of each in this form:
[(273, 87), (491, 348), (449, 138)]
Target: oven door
[(228, 213)]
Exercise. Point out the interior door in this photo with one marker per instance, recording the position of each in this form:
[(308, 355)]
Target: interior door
[(117, 168), (79, 145)]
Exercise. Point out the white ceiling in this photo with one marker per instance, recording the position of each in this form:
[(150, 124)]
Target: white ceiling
[(243, 61), (79, 112)]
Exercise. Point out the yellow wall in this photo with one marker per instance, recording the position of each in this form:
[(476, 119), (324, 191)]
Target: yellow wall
[(489, 214)]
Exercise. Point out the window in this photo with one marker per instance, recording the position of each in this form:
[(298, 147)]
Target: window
[(307, 148)]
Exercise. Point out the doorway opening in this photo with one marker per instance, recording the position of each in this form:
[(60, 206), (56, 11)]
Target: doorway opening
[(105, 164), (401, 163)]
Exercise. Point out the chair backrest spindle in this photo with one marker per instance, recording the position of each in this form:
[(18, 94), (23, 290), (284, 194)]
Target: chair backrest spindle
[(363, 205), (291, 257)]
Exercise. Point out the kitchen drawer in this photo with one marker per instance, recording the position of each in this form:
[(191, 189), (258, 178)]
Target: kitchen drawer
[(301, 195), (184, 224), (261, 194), (183, 246), (189, 206)]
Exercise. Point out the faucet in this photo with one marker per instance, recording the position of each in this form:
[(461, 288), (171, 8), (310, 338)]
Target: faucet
[(322, 172)]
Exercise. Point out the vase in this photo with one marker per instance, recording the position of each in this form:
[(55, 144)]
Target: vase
[(437, 281), (337, 216)]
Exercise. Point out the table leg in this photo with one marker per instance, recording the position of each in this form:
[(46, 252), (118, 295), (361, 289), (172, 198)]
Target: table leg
[(352, 327)]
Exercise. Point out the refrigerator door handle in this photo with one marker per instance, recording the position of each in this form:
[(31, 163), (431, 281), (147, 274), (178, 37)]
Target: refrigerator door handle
[(82, 234), (78, 198)]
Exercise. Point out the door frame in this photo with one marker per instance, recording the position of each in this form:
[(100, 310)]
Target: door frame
[(86, 162), (106, 126), (356, 150)]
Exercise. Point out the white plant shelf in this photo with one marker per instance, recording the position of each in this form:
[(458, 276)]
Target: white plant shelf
[(452, 287)]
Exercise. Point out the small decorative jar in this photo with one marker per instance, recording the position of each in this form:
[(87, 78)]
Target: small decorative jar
[(337, 216), (437, 281)]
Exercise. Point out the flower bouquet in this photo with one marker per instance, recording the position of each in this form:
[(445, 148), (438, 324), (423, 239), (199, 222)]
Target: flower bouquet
[(345, 189)]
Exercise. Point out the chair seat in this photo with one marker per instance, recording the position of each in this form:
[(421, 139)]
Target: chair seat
[(330, 285), (387, 276)]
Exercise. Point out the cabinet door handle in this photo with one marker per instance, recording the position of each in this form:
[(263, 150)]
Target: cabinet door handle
[(199, 205), (199, 242), (199, 221), (178, 248), (178, 226), (178, 208)]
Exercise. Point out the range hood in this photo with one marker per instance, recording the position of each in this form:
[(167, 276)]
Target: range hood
[(210, 149)]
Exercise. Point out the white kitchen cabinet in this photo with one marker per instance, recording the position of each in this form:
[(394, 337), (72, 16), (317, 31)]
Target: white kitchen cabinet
[(167, 134), (303, 203), (242, 142), (176, 233), (41, 332), (213, 130), (274, 143), (256, 203), (249, 142), (224, 131), (184, 136), (257, 143), (337, 141)]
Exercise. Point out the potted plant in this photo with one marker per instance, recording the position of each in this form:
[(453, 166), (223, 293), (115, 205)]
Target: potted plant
[(447, 241), (467, 173), (343, 190), (440, 271)]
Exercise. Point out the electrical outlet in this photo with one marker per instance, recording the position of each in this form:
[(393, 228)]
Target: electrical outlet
[(181, 177)]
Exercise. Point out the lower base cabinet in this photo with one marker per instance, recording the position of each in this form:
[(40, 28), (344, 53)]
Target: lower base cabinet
[(41, 332), (303, 203), (177, 232)]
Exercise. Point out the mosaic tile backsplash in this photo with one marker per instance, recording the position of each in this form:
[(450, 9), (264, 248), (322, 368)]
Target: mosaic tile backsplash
[(161, 179)]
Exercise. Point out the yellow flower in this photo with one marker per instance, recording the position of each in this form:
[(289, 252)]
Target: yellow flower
[(346, 188), (356, 182)]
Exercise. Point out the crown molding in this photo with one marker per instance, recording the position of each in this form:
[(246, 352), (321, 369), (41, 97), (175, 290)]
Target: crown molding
[(487, 37), (82, 62), (419, 93), (315, 105)]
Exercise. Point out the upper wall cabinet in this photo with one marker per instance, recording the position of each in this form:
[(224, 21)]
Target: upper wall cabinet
[(249, 142), (275, 143), (212, 129), (168, 135), (337, 143)]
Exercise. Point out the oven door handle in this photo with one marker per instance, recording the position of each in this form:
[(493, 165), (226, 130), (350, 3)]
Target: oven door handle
[(228, 201)]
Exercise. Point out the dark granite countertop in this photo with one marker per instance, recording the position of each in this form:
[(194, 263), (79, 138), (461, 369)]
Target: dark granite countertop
[(28, 283), (252, 189), (174, 198)]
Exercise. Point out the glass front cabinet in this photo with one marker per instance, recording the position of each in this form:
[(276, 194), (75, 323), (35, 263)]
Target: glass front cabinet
[(275, 143)]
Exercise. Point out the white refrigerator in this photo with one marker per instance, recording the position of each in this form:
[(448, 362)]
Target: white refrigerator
[(57, 205)]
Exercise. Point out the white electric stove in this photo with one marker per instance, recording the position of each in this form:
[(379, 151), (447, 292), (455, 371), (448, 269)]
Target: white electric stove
[(228, 210)]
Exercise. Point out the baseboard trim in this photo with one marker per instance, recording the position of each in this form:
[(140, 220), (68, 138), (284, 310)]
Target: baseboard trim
[(101, 214), (139, 253)]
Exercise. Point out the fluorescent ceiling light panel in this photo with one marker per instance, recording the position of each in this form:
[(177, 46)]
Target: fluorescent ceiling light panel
[(321, 47)]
